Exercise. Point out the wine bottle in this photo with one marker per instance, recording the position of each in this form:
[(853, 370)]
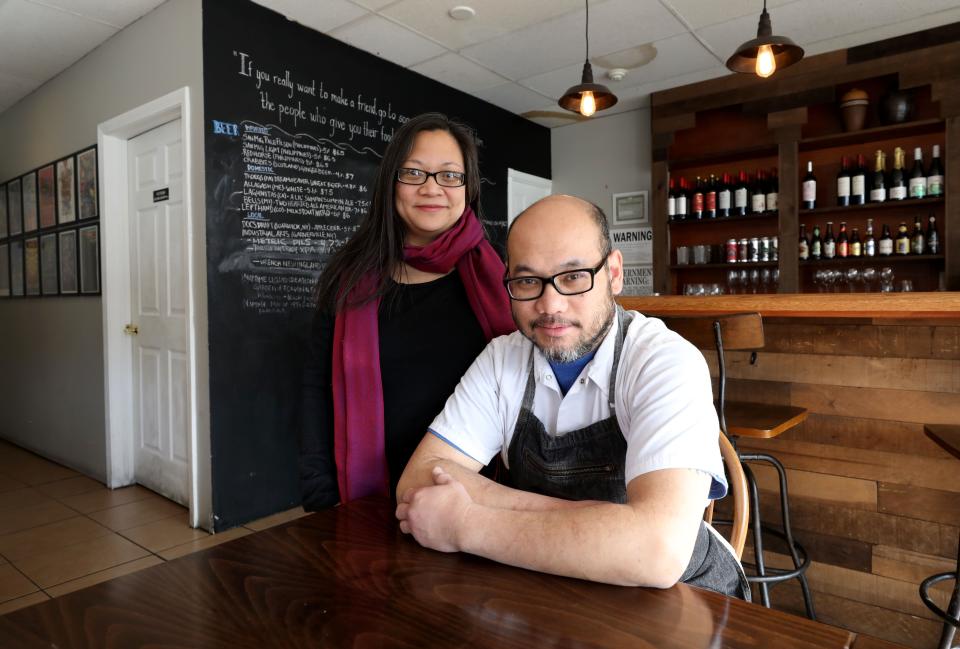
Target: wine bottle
[(870, 244), (671, 201), (917, 239), (741, 195), (758, 195), (856, 247), (816, 246), (829, 243), (933, 239), (897, 191), (773, 191), (885, 245), (878, 184), (809, 189), (858, 182), (710, 198), (918, 179), (804, 250), (683, 201), (902, 244), (843, 183), (697, 207), (935, 174), (724, 196), (843, 243)]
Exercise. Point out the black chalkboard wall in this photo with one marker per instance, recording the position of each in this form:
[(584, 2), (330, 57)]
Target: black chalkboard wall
[(295, 124)]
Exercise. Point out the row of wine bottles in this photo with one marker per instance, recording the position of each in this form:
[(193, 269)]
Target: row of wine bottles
[(857, 185), (723, 196), (844, 245)]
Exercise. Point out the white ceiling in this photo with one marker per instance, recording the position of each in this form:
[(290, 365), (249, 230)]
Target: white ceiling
[(518, 54)]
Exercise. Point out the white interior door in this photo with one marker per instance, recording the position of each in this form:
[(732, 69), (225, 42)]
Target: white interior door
[(523, 190), (159, 301)]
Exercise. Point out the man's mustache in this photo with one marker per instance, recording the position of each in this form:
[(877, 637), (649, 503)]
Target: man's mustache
[(553, 321)]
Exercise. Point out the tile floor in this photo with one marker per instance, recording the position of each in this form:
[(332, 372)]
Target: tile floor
[(61, 531)]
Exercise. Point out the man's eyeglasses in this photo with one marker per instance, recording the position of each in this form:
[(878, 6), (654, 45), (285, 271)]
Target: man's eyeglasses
[(409, 176), (569, 282)]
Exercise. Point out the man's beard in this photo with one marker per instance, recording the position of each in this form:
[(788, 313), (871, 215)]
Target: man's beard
[(585, 344)]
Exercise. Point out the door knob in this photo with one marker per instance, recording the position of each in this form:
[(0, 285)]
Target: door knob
[(131, 330)]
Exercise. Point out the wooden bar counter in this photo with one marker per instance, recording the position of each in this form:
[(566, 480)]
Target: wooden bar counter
[(873, 499)]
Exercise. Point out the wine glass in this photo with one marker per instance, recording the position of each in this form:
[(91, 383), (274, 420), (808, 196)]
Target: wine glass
[(819, 281), (733, 278), (853, 278), (886, 279), (869, 276), (754, 280)]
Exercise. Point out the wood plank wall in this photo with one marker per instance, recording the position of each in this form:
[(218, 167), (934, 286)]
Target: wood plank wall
[(874, 501)]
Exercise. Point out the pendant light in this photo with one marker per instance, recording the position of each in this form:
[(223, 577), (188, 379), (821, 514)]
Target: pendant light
[(766, 53), (587, 97)]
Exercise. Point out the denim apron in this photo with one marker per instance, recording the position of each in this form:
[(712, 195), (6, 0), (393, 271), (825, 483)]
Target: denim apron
[(588, 464)]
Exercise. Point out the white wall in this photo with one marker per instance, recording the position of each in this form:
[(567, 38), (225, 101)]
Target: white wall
[(51, 349)]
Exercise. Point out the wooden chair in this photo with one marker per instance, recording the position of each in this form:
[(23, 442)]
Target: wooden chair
[(744, 331), (738, 491)]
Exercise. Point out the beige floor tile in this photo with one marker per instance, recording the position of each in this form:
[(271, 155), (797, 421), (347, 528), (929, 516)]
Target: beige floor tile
[(203, 544), (50, 537), (79, 560), (104, 498), (40, 471), (165, 533), (69, 487), (139, 513), (276, 519), (21, 498), (13, 584), (103, 575), (9, 484), (16, 520), (23, 602)]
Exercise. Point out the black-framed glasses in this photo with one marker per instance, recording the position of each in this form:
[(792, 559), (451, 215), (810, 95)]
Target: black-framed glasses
[(410, 176), (569, 282)]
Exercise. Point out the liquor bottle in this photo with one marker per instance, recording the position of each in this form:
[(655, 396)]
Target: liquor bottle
[(843, 183), (878, 184), (773, 191), (804, 250), (870, 244), (710, 198), (885, 245), (918, 179), (683, 201), (856, 247), (829, 243), (935, 174), (843, 243), (724, 196), (671, 201), (816, 246), (858, 182), (697, 207), (917, 239), (933, 239), (740, 196), (902, 244), (897, 191), (758, 195), (809, 189)]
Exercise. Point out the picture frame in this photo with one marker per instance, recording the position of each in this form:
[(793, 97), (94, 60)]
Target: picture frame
[(630, 208), (87, 184), (31, 265), (16, 268), (66, 191), (67, 249), (3, 212), (46, 195), (14, 208), (28, 188), (4, 270), (48, 264), (89, 257)]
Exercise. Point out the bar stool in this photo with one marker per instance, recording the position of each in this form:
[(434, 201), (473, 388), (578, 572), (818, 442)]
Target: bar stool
[(744, 331), (949, 438)]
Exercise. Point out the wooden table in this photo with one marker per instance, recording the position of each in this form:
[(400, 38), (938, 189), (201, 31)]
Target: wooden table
[(947, 436), (348, 578)]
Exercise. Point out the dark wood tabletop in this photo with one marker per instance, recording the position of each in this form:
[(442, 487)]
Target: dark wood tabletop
[(946, 435), (347, 577)]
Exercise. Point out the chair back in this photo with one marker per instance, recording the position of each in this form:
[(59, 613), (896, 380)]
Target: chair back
[(738, 492)]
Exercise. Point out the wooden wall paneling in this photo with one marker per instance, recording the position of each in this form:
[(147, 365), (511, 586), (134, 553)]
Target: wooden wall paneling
[(900, 437), (946, 342), (789, 196), (905, 565), (950, 232), (896, 405), (850, 492), (661, 232), (919, 502)]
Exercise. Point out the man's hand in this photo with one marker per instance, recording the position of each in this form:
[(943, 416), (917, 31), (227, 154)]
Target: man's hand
[(435, 515)]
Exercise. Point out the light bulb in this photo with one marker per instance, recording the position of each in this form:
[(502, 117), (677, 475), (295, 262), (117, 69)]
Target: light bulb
[(766, 63), (588, 106)]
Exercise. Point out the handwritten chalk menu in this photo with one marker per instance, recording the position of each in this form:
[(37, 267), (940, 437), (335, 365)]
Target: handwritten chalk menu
[(295, 126)]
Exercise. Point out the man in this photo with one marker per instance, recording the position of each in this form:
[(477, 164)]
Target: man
[(604, 419)]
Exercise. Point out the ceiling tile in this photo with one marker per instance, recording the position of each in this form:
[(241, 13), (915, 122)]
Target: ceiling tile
[(37, 42), (387, 40), (116, 14), (321, 16), (494, 18), (698, 13), (887, 31), (373, 5), (515, 98), (457, 72)]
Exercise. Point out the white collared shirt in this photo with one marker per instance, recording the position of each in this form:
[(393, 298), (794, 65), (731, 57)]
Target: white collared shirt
[(663, 401)]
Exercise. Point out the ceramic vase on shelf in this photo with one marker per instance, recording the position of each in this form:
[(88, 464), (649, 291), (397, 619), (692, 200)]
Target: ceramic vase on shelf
[(896, 107), (853, 108)]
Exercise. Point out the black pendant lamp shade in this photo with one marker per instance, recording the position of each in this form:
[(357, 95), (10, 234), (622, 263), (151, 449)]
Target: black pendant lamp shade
[(587, 97), (785, 52)]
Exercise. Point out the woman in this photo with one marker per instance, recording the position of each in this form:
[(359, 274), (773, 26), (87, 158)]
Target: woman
[(403, 309)]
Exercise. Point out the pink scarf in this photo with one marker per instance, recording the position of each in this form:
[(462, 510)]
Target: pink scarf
[(357, 389)]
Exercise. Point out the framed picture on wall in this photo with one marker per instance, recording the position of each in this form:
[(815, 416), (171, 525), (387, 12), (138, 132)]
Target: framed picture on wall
[(68, 262), (48, 264), (66, 192), (29, 189), (87, 183), (3, 211), (31, 265), (90, 259), (4, 270), (14, 207), (46, 195), (16, 268), (630, 208)]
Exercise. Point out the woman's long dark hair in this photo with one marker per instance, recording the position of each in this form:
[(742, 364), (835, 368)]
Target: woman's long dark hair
[(377, 245)]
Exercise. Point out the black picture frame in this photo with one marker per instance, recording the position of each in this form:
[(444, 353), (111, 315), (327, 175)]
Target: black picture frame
[(3, 212), (67, 262), (31, 266), (14, 208), (66, 190), (49, 282), (4, 270), (88, 241), (88, 185), (28, 194), (16, 268)]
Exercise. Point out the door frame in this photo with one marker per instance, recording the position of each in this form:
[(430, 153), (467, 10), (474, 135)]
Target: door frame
[(112, 138), (523, 178)]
